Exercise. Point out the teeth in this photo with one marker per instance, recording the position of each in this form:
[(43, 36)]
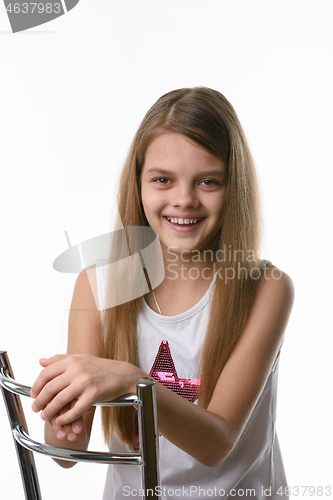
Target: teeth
[(181, 221)]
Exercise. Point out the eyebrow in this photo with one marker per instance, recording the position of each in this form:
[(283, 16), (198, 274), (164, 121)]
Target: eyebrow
[(169, 172)]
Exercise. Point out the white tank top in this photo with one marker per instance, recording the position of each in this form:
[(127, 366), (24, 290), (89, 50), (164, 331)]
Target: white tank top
[(253, 469)]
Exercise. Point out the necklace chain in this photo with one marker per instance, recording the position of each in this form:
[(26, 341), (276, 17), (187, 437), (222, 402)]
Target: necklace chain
[(158, 307)]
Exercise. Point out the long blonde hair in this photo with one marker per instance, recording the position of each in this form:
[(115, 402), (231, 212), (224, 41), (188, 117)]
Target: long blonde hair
[(206, 117)]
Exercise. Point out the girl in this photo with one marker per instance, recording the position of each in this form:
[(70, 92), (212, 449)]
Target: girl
[(210, 333)]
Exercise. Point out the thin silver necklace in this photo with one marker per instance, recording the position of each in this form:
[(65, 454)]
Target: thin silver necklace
[(158, 307)]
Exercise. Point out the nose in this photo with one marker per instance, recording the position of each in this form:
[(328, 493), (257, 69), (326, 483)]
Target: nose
[(184, 196)]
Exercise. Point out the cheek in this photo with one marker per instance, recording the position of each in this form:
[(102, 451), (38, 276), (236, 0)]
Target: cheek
[(217, 209), (222, 201), (152, 199), (151, 205), (145, 198), (216, 206)]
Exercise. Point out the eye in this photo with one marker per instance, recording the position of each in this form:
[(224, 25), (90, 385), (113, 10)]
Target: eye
[(210, 181), (161, 180)]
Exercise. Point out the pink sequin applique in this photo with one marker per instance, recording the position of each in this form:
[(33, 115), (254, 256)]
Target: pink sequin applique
[(164, 371)]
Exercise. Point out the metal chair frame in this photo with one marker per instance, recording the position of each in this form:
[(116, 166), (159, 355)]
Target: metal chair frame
[(147, 457)]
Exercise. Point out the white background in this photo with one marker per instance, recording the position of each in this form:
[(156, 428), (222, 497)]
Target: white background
[(73, 92)]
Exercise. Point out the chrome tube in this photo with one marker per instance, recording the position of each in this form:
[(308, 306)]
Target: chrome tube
[(149, 436), (145, 401), (75, 455), (16, 418), (10, 384)]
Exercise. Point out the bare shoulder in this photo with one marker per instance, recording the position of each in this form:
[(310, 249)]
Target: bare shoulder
[(84, 322), (271, 309), (276, 286), (83, 295)]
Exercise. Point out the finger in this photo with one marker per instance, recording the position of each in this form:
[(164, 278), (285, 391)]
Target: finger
[(77, 425), (69, 431), (69, 393), (74, 428), (45, 376), (83, 404), (53, 359), (71, 436), (49, 391), (59, 430)]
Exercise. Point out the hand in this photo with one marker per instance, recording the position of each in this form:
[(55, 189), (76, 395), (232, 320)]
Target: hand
[(71, 384), (69, 431)]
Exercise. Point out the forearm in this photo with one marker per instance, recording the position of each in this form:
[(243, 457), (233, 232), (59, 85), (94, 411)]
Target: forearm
[(199, 432)]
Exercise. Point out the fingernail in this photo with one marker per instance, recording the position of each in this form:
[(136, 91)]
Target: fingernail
[(59, 422), (77, 429), (43, 416), (71, 436), (61, 434), (34, 408), (32, 394)]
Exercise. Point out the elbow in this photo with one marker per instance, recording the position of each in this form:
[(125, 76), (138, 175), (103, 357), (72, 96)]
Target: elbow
[(65, 464), (216, 455), (220, 444)]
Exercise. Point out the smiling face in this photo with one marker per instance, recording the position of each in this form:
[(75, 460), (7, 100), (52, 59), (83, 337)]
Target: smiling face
[(181, 182)]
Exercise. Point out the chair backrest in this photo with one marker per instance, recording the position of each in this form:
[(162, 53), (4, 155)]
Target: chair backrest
[(146, 457)]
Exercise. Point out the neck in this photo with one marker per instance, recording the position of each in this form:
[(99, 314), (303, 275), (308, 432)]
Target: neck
[(187, 271), (186, 281)]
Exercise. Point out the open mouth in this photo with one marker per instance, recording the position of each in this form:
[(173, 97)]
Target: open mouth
[(179, 221)]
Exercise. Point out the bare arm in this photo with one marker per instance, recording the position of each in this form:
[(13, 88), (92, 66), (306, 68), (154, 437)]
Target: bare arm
[(241, 382), (83, 331), (218, 428)]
